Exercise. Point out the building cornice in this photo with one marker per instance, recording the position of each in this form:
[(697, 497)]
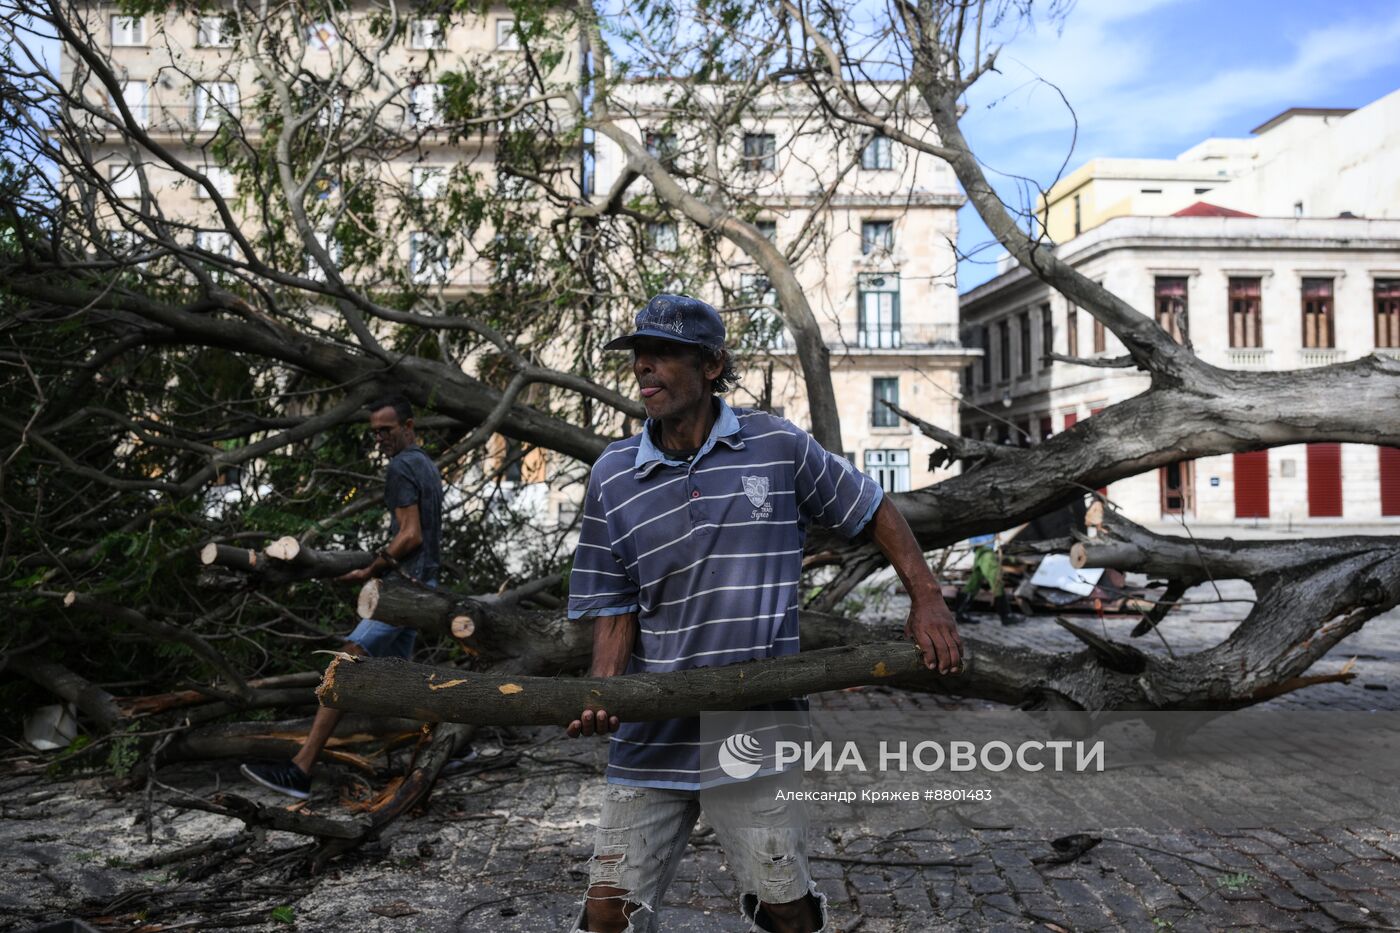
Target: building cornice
[(1244, 234)]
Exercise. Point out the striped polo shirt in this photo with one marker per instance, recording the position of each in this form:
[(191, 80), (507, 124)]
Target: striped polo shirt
[(709, 555)]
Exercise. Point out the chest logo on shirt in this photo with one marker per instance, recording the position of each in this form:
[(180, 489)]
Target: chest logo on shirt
[(756, 489)]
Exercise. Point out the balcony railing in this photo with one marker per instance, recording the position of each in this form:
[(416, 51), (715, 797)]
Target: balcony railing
[(1320, 356), (1248, 357), (918, 336)]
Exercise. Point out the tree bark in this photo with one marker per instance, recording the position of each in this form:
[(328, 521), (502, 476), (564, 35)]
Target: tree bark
[(446, 695)]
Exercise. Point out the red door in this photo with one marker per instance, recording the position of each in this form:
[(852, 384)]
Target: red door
[(1252, 484), (1324, 480), (1071, 419), (1390, 480)]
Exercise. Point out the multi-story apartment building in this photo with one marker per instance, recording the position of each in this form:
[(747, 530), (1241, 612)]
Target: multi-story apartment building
[(879, 273), (878, 264), (1313, 279), (184, 74)]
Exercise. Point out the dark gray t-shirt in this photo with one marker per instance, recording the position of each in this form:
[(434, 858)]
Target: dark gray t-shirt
[(412, 479)]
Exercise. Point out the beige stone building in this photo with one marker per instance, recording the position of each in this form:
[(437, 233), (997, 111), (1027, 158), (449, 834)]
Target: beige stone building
[(879, 272), (182, 75), (1288, 289), (878, 263)]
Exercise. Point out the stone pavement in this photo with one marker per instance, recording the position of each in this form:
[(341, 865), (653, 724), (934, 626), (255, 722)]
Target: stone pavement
[(504, 847)]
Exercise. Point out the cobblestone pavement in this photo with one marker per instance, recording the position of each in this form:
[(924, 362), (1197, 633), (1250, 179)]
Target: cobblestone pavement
[(505, 848)]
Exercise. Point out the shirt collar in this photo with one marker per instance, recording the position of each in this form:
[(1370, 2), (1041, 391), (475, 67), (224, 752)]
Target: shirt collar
[(726, 431)]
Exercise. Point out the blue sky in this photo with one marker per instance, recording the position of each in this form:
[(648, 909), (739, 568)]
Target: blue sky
[(1150, 78)]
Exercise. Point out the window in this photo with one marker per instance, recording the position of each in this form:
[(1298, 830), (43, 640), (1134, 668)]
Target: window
[(220, 177), (427, 257), (327, 242), (214, 32), (425, 105), (1100, 337), (984, 337), (125, 182), (507, 39), (760, 152), (217, 242), (1078, 216), (136, 96), (884, 390), (1003, 350), (662, 146), (1047, 336), (766, 328), (1072, 332), (877, 153), (1245, 313), (128, 30), (877, 299), (662, 236), (1024, 326), (425, 33), (876, 236), (889, 468), (428, 181), (214, 103), (1318, 328), (1387, 313), (769, 229), (1169, 293)]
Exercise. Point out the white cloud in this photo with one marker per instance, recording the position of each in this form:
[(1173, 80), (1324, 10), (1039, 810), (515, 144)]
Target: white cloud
[(1131, 97)]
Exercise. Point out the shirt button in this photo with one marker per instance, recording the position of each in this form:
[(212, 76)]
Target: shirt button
[(695, 494)]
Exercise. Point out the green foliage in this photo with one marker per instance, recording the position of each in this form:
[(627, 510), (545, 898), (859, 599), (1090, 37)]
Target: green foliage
[(283, 914), (125, 752)]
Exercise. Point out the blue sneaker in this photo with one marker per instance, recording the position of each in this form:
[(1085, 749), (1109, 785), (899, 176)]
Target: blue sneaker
[(283, 777)]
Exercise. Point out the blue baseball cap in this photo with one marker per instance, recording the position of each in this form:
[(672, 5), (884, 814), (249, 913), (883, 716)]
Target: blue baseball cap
[(678, 318)]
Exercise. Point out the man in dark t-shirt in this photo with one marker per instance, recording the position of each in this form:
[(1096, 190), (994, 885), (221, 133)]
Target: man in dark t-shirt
[(413, 496)]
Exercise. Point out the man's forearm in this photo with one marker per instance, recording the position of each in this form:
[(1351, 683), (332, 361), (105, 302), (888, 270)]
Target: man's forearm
[(613, 638), (896, 541)]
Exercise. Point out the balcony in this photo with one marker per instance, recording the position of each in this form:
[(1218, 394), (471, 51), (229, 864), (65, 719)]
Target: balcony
[(1320, 356), (1248, 357), (910, 337)]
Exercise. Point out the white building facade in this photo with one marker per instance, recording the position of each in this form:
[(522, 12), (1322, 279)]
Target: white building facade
[(1252, 293)]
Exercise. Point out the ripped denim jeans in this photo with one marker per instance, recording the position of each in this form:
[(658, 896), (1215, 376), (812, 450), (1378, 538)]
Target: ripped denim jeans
[(642, 836)]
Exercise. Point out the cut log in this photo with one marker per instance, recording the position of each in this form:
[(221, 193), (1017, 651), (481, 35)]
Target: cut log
[(284, 548), (283, 561), (433, 612), (385, 685)]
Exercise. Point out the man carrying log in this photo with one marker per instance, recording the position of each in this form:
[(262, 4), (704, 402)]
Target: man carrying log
[(690, 555), (413, 496)]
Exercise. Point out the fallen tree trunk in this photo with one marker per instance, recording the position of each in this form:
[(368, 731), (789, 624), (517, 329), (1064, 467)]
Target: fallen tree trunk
[(356, 741), (375, 685), (283, 561), (512, 639), (1310, 595)]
